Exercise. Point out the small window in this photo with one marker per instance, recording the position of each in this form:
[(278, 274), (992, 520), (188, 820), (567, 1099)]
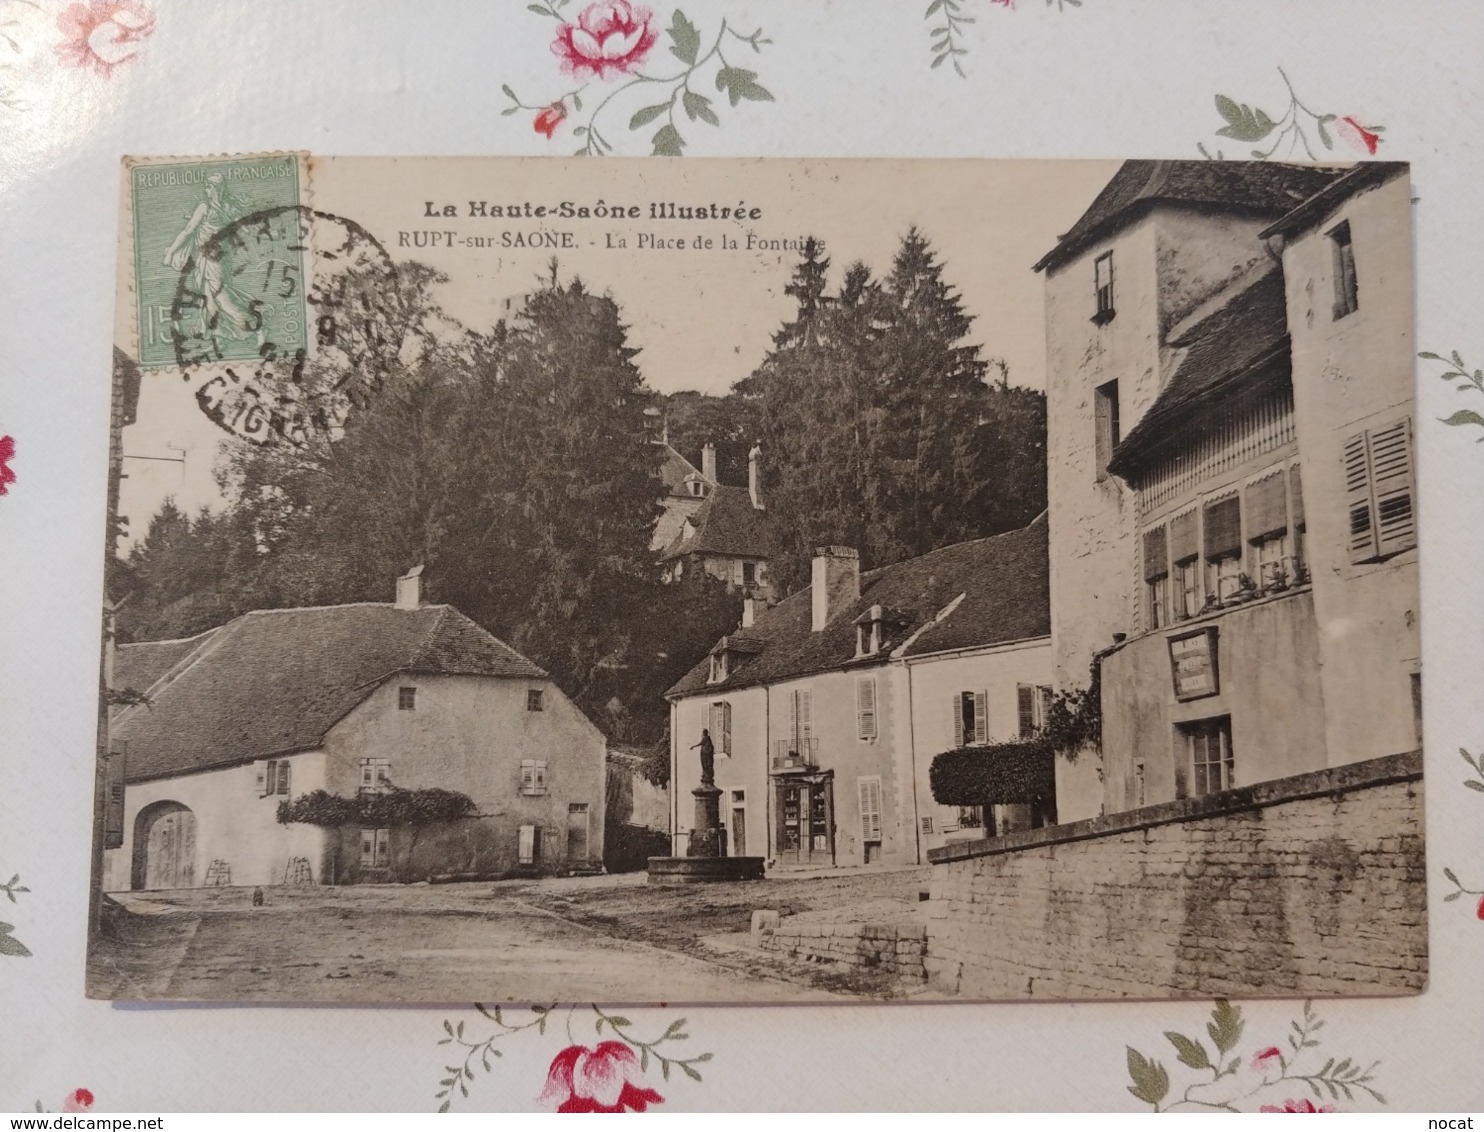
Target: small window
[(1378, 492), (406, 699), (970, 718), (1106, 424), (971, 817), (927, 824), (721, 726), (739, 797), (1102, 276), (1347, 297), (376, 776), (284, 783), (1141, 790), (869, 790), (533, 777), (1208, 753), (535, 699), (1223, 547), (718, 673), (749, 573), (1156, 579)]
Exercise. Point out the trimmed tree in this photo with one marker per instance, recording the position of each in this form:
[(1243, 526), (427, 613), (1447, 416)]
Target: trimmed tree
[(1001, 774)]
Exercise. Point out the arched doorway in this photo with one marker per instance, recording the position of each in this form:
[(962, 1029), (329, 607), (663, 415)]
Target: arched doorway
[(164, 847)]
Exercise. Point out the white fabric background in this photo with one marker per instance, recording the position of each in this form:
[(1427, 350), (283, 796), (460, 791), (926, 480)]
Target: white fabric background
[(1111, 78)]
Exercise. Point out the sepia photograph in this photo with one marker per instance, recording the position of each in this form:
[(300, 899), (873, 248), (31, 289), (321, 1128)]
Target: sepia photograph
[(759, 580)]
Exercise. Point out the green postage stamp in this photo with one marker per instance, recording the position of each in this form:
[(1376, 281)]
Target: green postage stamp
[(215, 263)]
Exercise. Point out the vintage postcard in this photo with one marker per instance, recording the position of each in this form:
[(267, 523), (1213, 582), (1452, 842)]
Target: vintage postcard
[(760, 581)]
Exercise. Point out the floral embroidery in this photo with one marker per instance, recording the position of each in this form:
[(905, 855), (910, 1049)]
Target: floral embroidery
[(1476, 762), (7, 454), (1241, 1080), (608, 1078), (548, 118), (1303, 1104), (597, 1080), (9, 945), (79, 1100), (606, 37), (1249, 124), (946, 35), (1471, 383), (101, 34), (613, 39)]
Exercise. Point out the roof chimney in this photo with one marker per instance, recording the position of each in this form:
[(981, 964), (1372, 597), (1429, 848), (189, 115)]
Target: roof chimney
[(835, 582), (754, 473), (410, 589), (749, 611), (708, 461)]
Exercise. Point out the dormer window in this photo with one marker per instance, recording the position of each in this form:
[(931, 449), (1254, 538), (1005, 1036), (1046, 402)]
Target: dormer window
[(718, 667), (1102, 278)]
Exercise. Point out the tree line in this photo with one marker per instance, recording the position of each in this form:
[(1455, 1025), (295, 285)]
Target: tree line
[(517, 465)]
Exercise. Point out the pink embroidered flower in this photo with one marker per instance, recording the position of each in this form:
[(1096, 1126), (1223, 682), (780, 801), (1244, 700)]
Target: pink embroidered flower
[(1004, 4), (79, 1100), (101, 34), (548, 118), (7, 453), (1302, 1105), (1265, 1059), (1358, 137), (613, 36), (2, 492), (605, 1079)]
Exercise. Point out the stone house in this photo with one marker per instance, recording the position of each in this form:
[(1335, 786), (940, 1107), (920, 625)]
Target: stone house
[(827, 709), (728, 535), (686, 489), (351, 699), (1233, 538)]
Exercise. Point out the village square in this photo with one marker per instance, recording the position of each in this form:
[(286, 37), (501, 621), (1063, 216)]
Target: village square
[(878, 675)]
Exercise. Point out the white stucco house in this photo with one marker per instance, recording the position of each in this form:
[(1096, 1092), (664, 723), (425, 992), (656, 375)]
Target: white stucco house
[(351, 699), (827, 710)]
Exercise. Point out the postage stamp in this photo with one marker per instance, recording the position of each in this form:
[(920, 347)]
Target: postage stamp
[(239, 289)]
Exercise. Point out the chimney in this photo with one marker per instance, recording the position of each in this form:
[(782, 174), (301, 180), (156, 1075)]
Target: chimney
[(749, 611), (410, 589), (754, 474), (835, 582), (708, 461)]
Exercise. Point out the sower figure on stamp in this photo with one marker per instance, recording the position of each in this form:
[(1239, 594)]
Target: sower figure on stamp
[(708, 758)]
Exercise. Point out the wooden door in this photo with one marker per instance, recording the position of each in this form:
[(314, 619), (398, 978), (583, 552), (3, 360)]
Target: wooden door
[(793, 802), (577, 833), (739, 832), (170, 850)]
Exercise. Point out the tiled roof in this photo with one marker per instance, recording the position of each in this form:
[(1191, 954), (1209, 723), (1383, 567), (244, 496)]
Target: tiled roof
[(276, 681), (1225, 354), (1366, 175), (136, 667), (727, 524), (1005, 597), (1268, 187), (674, 470)]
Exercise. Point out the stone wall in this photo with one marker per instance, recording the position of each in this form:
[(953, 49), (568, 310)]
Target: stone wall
[(889, 940), (1310, 885)]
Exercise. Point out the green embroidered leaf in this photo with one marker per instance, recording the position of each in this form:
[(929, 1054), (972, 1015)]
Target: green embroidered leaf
[(1463, 417), (1475, 786), (698, 106), (1225, 1027), (1452, 896), (685, 40), (740, 83), (1242, 122), (1451, 876), (443, 1107), (1151, 1081), (647, 115), (689, 1072), (1189, 1052), (9, 945), (668, 142)]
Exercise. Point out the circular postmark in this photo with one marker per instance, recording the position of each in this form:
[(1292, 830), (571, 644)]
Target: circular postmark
[(293, 317)]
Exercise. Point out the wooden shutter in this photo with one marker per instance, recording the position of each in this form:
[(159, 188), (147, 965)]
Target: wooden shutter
[(271, 777), (1025, 702), (1183, 543), (1296, 497), (726, 727), (284, 768), (541, 776), (527, 777), (981, 717), (263, 780), (383, 846), (1223, 527), (870, 799), (1391, 478), (793, 722), (1156, 564), (1356, 456), (806, 720), (113, 800), (1267, 507), (958, 718), (865, 706)]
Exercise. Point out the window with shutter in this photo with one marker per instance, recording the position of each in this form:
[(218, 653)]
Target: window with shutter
[(1156, 578), (262, 783), (270, 778), (865, 707), (1025, 704), (1222, 523), (1347, 294), (1105, 425), (1378, 492), (963, 728), (981, 717), (283, 776), (726, 727), (869, 789)]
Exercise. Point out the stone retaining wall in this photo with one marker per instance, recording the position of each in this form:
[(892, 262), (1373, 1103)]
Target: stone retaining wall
[(897, 945), (1310, 885)]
